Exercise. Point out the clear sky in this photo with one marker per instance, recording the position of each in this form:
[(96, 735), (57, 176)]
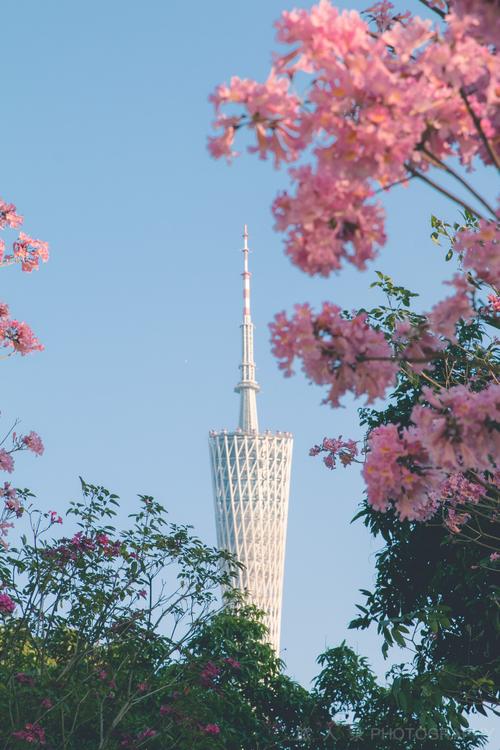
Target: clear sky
[(104, 129)]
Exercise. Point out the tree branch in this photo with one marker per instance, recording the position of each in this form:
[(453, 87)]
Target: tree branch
[(438, 162), (477, 122), (445, 192)]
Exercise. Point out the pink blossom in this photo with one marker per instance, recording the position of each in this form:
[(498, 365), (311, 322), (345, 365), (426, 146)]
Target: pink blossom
[(12, 503), (397, 471), (213, 729), (29, 252), (32, 733), (4, 527), (445, 315), (482, 17), (54, 517), (495, 556), (82, 543), (272, 112), (347, 355), (494, 301), (233, 663), (46, 703), (345, 450), (382, 14), (373, 100), (143, 687), (481, 251), (7, 606), (329, 220), (18, 336), (208, 674), (416, 345), (33, 442), (8, 216), (142, 593), (6, 461), (458, 427)]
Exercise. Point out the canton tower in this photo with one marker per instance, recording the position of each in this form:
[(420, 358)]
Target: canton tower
[(251, 481)]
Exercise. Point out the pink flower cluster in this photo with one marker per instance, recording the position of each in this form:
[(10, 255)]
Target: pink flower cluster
[(272, 113), (28, 252), (7, 605), (336, 448), (33, 442), (34, 734), (12, 502), (347, 355), (444, 316), (81, 544), (419, 468), (482, 17), (481, 251), (494, 301), (212, 729), (329, 220), (209, 673), (16, 335), (9, 216), (460, 428), (373, 101), (233, 663)]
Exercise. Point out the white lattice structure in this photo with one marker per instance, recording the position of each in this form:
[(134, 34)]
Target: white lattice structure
[(251, 480)]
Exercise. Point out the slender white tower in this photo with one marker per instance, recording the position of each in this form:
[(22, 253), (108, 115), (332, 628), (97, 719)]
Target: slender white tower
[(251, 480)]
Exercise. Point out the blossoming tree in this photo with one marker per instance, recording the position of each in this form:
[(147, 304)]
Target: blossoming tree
[(389, 98), (16, 337)]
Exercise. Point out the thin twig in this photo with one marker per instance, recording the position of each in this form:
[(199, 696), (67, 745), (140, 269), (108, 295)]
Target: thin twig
[(477, 122), (445, 192), (432, 7), (437, 162)]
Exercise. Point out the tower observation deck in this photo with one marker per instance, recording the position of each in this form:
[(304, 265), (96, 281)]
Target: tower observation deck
[(251, 483)]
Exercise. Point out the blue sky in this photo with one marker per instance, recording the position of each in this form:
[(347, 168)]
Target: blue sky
[(104, 129)]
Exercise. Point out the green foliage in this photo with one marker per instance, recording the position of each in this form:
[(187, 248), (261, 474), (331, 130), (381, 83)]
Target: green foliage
[(407, 712)]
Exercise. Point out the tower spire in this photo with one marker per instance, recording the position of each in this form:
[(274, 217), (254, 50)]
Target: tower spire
[(248, 386)]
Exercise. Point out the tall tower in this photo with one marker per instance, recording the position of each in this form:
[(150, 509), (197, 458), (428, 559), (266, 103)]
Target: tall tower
[(251, 481)]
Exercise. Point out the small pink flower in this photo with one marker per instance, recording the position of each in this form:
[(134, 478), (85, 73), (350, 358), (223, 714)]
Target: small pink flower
[(54, 517), (7, 606), (33, 442), (143, 687), (46, 703), (165, 709), (232, 662), (142, 593), (494, 301), (32, 733), (210, 729), (6, 461), (495, 556), (102, 675), (209, 673)]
